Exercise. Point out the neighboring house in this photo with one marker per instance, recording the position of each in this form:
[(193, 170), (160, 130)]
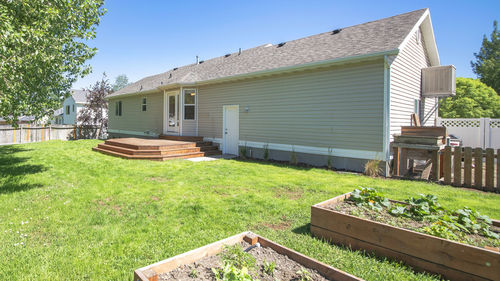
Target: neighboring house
[(339, 95), (58, 117), (73, 105)]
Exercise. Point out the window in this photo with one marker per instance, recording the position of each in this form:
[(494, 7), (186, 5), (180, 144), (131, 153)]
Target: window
[(73, 108), (118, 108), (189, 104), (144, 104), (67, 109)]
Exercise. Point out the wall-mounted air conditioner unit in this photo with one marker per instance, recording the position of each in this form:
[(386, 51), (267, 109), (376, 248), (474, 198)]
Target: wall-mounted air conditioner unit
[(438, 81)]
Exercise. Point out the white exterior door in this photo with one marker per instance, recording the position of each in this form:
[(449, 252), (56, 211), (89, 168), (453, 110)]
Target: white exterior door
[(172, 113), (231, 129)]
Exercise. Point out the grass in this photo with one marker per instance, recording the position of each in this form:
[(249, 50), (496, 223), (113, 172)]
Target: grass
[(82, 215)]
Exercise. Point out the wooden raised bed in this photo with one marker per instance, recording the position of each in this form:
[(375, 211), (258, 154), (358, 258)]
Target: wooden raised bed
[(151, 272), (453, 260)]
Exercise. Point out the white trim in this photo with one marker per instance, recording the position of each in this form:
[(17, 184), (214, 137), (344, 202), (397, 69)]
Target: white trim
[(126, 132), (428, 36), (165, 113), (387, 117), (195, 104), (337, 152), (181, 110), (224, 125)]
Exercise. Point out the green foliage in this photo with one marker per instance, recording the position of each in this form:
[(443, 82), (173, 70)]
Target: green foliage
[(193, 274), (43, 51), (487, 63), (269, 267), (473, 100), (304, 275), (244, 151), (230, 272), (266, 152), (369, 197), (236, 256), (120, 82), (94, 112)]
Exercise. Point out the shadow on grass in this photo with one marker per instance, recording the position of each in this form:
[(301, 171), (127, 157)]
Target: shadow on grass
[(276, 163), (304, 229), (13, 169)]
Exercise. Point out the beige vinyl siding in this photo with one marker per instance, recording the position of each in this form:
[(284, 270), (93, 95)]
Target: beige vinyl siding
[(189, 128), (340, 107), (405, 86), (133, 118)]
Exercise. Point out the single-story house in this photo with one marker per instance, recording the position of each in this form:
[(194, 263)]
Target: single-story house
[(337, 95)]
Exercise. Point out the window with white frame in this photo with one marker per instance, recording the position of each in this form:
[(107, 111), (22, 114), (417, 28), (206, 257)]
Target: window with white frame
[(118, 108), (144, 104), (67, 109), (189, 104)]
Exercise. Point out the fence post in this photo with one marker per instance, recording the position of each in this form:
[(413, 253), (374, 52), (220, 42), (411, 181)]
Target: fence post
[(457, 166), (478, 168), (447, 165), (498, 170), (490, 169), (468, 167)]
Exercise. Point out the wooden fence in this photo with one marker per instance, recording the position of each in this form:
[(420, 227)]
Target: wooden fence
[(471, 167), (35, 133)]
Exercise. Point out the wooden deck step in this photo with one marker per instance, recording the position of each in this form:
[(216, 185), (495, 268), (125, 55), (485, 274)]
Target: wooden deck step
[(169, 151), (150, 145), (150, 157)]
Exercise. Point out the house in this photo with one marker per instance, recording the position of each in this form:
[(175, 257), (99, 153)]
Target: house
[(337, 96), (72, 106)]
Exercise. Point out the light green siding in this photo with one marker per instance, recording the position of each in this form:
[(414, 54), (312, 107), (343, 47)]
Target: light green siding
[(339, 107), (133, 119)]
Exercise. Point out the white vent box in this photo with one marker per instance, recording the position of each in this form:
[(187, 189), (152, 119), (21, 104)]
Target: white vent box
[(439, 81)]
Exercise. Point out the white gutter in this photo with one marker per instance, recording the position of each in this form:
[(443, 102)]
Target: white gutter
[(279, 70), (387, 119)]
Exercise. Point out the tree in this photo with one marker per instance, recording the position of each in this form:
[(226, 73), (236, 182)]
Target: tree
[(95, 113), (120, 82), (474, 99), (42, 52), (487, 64)]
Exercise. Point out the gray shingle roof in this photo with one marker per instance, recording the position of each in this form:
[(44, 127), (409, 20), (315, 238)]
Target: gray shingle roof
[(80, 96), (371, 37)]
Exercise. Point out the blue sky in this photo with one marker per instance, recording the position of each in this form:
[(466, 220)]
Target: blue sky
[(141, 38)]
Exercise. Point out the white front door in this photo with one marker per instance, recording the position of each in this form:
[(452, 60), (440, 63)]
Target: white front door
[(172, 111), (231, 129)]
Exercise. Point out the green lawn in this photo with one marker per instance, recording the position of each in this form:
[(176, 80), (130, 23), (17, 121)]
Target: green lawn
[(82, 215)]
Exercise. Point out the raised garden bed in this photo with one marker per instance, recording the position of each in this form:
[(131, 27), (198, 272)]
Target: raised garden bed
[(451, 259), (204, 262)]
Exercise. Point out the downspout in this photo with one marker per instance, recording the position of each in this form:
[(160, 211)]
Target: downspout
[(387, 109)]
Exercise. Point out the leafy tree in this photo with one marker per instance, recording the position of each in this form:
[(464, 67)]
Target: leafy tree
[(94, 116), (120, 82), (473, 100), (42, 52), (487, 64)]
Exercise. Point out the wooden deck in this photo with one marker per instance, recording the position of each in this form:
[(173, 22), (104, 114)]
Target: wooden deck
[(157, 149)]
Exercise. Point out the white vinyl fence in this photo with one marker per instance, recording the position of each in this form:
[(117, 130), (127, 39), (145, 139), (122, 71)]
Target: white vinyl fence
[(35, 133), (474, 132)]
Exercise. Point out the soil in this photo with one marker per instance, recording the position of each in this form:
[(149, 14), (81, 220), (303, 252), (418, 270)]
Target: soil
[(286, 269), (350, 208)]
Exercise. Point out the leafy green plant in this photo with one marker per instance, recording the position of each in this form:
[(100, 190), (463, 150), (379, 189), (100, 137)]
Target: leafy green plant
[(244, 152), (304, 275), (229, 272), (236, 256), (269, 267), (266, 152), (369, 197), (193, 274)]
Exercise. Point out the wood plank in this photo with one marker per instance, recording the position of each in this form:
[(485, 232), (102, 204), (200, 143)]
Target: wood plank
[(326, 270), (447, 165), (417, 264), (478, 168), (427, 170), (424, 131), (396, 160), (435, 165), (468, 167), (457, 166), (474, 260), (490, 170), (415, 120)]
